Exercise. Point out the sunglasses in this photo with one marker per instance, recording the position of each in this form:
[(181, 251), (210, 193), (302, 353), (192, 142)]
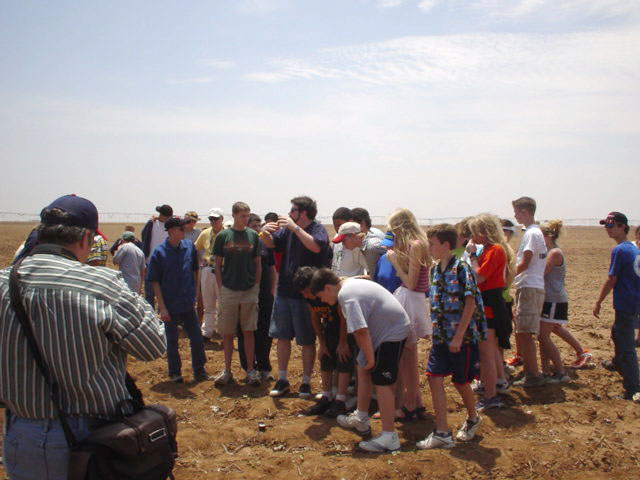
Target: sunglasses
[(213, 219), (610, 224)]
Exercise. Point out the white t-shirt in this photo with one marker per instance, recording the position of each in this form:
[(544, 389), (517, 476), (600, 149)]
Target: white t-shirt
[(365, 304), (533, 276), (158, 235)]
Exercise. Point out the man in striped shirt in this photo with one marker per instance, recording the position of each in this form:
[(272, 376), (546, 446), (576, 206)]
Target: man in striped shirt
[(85, 322)]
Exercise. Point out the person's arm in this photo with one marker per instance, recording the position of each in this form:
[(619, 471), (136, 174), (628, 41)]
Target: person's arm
[(524, 264), (465, 319), (218, 269), (274, 279), (258, 269), (410, 278), (553, 260), (363, 340), (117, 256), (317, 328), (267, 231), (343, 347), (164, 313), (606, 288), (306, 239)]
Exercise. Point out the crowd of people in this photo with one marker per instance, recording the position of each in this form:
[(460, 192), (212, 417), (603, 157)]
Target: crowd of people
[(360, 303)]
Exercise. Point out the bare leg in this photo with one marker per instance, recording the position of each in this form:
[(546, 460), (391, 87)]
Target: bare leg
[(439, 399), (387, 408), (409, 367), (308, 357), (249, 348), (284, 352), (528, 352), (327, 381), (227, 342), (364, 390), (468, 399), (566, 335), (343, 383), (488, 373), (548, 347)]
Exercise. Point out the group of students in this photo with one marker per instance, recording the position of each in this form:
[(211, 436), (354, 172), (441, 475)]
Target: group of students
[(372, 297)]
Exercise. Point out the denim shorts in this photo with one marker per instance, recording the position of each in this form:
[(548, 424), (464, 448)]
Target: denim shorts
[(291, 319)]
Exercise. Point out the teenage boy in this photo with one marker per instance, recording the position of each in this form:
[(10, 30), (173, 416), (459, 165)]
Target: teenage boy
[(131, 261), (624, 280), (238, 270), (380, 327), (371, 247), (349, 241), (173, 273), (336, 349), (208, 284), (529, 283), (303, 242), (265, 307), (459, 325)]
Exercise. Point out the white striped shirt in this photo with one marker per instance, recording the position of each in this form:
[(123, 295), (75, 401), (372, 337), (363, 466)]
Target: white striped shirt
[(85, 320)]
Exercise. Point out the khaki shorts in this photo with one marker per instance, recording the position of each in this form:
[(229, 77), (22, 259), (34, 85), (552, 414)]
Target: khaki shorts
[(528, 303), (238, 306)]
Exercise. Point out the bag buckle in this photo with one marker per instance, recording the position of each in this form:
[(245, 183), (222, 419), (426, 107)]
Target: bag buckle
[(157, 435)]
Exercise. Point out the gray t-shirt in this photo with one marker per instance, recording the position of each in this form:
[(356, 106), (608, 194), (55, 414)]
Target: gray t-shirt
[(365, 304), (131, 261)]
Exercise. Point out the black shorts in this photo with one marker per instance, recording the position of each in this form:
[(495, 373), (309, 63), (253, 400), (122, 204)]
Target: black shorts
[(464, 366), (555, 312), (387, 358), (331, 362)]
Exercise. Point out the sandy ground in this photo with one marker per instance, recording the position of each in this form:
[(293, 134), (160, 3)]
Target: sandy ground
[(577, 430)]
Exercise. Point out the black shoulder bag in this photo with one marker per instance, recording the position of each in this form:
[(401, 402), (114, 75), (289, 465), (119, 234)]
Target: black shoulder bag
[(132, 446)]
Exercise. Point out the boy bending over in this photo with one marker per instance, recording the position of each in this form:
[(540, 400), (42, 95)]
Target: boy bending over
[(380, 327), (458, 326)]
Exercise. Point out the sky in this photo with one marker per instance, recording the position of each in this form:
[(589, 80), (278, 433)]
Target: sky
[(446, 107)]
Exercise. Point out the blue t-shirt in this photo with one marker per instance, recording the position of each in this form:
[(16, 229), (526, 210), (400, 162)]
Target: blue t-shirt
[(386, 275), (625, 266), (172, 268), (296, 255)]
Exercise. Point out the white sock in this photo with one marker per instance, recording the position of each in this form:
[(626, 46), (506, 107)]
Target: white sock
[(385, 433), (362, 415), (282, 375)]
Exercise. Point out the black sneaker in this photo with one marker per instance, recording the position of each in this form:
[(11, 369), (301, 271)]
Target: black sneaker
[(610, 365), (337, 407), (304, 391), (281, 387), (319, 408), (202, 377)]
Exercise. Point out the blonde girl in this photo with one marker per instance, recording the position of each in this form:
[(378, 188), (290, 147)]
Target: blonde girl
[(494, 267), (410, 258), (555, 310)]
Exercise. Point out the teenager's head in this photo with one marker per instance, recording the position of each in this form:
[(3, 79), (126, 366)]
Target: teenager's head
[(617, 225), (464, 232), (303, 209), (302, 281), (442, 239), (325, 285), (406, 231), (165, 212), (524, 209), (240, 212), (254, 222), (508, 228), (175, 229), (350, 235), (361, 216), (271, 217), (486, 229), (340, 216)]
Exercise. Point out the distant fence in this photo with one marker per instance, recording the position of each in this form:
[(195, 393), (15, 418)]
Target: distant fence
[(119, 217)]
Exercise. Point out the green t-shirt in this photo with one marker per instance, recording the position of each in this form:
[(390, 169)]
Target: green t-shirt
[(238, 250)]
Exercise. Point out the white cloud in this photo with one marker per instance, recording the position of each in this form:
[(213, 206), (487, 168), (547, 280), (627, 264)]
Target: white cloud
[(427, 5), (389, 3), (188, 81), (252, 7)]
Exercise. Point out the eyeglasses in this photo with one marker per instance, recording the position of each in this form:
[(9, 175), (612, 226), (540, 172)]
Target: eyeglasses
[(213, 219)]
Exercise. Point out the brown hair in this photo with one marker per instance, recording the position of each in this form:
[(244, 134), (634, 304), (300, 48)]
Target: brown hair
[(444, 232), (525, 203), (240, 207)]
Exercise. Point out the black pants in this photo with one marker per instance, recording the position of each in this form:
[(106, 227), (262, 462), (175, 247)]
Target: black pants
[(262, 339)]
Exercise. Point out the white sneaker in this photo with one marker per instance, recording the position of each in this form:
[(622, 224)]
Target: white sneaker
[(254, 378), (503, 387), (636, 397), (352, 422), (468, 429), (384, 442), (435, 440), (223, 378)]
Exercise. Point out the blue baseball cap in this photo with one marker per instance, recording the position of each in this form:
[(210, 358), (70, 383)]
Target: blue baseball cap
[(81, 213), (388, 239)]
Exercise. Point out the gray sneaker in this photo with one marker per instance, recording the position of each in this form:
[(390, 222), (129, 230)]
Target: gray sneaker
[(489, 403), (531, 381), (468, 429), (435, 440), (559, 377), (382, 443), (224, 377), (353, 422), (254, 378)]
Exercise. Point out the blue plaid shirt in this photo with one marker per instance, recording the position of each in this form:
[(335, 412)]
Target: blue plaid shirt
[(447, 294)]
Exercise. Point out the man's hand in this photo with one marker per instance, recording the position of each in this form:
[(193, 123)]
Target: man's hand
[(285, 221), (270, 227), (369, 365), (164, 315), (596, 310), (344, 354), (454, 346)]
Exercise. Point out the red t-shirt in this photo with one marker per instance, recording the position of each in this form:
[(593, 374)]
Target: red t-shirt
[(491, 265)]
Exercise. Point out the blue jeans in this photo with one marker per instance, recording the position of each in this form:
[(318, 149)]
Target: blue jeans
[(37, 449), (189, 321), (626, 359)]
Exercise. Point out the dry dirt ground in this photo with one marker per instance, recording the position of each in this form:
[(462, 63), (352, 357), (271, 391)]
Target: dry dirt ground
[(578, 430)]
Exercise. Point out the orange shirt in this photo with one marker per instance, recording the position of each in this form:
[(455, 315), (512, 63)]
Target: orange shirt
[(491, 265)]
